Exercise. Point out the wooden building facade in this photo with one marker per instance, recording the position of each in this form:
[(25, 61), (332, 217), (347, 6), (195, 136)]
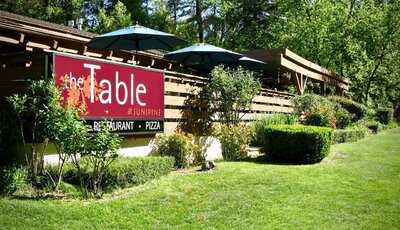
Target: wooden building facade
[(27, 44)]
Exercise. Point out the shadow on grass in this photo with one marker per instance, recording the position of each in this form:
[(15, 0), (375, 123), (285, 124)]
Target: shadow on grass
[(267, 159)]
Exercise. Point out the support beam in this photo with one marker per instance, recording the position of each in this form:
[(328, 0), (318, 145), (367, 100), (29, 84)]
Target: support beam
[(55, 44), (9, 40), (301, 82), (21, 38)]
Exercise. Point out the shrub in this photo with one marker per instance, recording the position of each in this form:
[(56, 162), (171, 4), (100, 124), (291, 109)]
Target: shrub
[(319, 119), (178, 145), (343, 118), (265, 121), (316, 110), (297, 143), (396, 113), (100, 151), (123, 172), (374, 126), (133, 171), (349, 135), (392, 125), (231, 91), (234, 141), (357, 110), (384, 115), (12, 179)]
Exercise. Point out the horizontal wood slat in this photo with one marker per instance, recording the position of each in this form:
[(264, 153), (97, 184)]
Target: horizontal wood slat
[(172, 114), (174, 100), (180, 88), (170, 127)]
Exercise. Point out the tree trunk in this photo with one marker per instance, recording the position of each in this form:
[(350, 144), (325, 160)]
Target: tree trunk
[(199, 20)]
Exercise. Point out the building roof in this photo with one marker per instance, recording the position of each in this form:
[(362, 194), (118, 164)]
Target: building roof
[(284, 60)]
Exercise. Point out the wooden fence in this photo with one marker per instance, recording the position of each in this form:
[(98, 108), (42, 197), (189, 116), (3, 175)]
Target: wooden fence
[(179, 86)]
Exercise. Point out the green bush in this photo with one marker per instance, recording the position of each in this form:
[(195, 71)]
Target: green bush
[(392, 125), (123, 172), (234, 141), (349, 135), (384, 115), (357, 110), (396, 113), (178, 145), (343, 118), (373, 126), (126, 172), (319, 119), (315, 110), (13, 179), (298, 143), (265, 121)]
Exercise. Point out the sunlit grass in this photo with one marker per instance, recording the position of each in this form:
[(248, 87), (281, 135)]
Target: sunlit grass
[(357, 186)]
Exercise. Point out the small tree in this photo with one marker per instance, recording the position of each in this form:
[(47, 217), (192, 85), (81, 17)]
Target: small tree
[(231, 92), (100, 151), (33, 111), (69, 135), (18, 104)]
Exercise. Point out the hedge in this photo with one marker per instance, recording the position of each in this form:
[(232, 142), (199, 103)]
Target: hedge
[(374, 126), (265, 121), (358, 110), (298, 143), (384, 115), (348, 135), (124, 171)]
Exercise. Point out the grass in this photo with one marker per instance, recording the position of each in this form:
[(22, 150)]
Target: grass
[(357, 186)]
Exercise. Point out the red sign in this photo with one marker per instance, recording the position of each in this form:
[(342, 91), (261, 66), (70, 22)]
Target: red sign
[(102, 89)]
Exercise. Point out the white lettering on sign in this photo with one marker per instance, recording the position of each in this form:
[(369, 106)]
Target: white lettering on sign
[(92, 68), (74, 82), (106, 86), (122, 94), (152, 125)]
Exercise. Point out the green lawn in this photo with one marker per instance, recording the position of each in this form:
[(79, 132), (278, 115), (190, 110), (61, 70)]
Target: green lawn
[(357, 186)]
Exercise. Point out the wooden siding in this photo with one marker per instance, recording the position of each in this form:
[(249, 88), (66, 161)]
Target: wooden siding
[(179, 86)]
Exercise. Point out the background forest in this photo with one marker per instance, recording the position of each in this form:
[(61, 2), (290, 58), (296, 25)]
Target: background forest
[(359, 39)]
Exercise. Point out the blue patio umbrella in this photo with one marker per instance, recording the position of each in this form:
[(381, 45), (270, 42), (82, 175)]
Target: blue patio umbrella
[(203, 56), (136, 38), (251, 64)]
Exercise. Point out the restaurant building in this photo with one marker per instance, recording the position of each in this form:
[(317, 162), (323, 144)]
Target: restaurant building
[(145, 93)]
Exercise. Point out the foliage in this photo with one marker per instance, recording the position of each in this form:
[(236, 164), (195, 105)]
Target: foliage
[(123, 172), (373, 126), (349, 135), (12, 179), (117, 18), (178, 145), (34, 110), (320, 118), (322, 193), (392, 125), (100, 151), (234, 141), (297, 143), (396, 113), (356, 39), (196, 115), (357, 110), (231, 92), (134, 171), (316, 110), (384, 115), (69, 135), (343, 118), (265, 121)]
